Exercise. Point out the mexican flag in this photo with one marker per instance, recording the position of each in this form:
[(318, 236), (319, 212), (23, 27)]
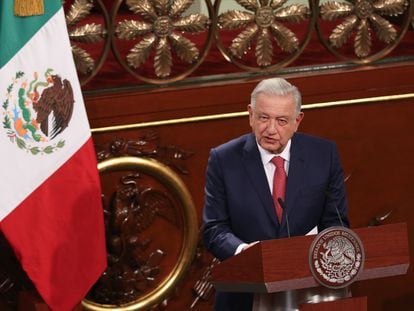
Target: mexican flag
[(50, 202)]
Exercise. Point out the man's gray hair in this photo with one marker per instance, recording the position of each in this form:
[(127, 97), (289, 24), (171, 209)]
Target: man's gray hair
[(276, 86)]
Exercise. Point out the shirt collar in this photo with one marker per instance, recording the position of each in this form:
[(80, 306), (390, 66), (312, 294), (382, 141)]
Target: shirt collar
[(267, 156)]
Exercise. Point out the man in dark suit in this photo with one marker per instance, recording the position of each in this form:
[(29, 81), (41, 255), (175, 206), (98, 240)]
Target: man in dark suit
[(239, 208)]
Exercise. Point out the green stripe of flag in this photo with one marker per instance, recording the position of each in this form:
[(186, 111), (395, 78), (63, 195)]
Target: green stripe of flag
[(15, 31)]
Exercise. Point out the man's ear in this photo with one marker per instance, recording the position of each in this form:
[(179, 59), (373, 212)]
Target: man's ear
[(250, 110), (299, 119)]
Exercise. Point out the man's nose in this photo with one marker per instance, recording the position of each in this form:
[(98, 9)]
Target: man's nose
[(272, 126)]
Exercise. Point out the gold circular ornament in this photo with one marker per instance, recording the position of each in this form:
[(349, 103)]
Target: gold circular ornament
[(363, 31), (264, 36), (161, 49), (173, 183), (90, 41)]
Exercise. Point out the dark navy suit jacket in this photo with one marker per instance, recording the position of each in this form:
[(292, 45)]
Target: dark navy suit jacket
[(239, 206)]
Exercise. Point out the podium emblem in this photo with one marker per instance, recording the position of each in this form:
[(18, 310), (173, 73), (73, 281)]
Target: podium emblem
[(336, 257)]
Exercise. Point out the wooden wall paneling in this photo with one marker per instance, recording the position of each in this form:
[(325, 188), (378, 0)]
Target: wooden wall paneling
[(140, 105), (372, 137)]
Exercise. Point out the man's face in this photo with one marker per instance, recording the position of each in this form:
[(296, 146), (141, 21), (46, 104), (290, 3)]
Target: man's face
[(274, 120)]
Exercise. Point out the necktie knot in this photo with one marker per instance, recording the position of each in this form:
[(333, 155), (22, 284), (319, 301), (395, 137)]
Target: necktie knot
[(278, 161)]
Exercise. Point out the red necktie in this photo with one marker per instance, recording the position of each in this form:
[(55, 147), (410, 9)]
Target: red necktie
[(279, 185)]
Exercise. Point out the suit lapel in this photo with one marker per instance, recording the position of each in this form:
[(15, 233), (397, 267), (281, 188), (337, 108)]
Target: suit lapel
[(295, 175), (256, 173)]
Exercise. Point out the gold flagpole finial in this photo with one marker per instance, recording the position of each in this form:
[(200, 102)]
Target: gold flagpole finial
[(28, 7)]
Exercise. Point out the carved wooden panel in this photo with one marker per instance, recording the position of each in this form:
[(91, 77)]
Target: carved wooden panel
[(151, 229)]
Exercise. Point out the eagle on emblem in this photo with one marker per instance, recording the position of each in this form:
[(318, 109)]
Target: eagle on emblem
[(54, 108)]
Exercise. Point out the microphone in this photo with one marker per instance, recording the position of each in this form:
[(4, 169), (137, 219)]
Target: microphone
[(283, 206), (331, 198)]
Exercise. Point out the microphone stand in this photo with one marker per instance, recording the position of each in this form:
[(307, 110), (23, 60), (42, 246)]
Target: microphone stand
[(283, 206)]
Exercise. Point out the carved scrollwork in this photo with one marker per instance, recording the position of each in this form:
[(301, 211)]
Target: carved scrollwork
[(146, 146), (144, 267), (131, 210), (361, 31), (264, 28), (160, 33), (203, 288)]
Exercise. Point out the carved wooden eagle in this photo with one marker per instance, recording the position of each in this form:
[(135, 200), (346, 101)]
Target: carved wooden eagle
[(54, 107)]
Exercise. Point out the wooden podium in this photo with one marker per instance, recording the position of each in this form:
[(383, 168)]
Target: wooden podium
[(282, 265)]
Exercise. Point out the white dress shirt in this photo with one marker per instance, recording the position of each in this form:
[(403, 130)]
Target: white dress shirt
[(270, 168)]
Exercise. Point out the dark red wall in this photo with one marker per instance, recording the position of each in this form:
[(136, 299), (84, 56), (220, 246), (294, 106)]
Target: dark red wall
[(374, 139)]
